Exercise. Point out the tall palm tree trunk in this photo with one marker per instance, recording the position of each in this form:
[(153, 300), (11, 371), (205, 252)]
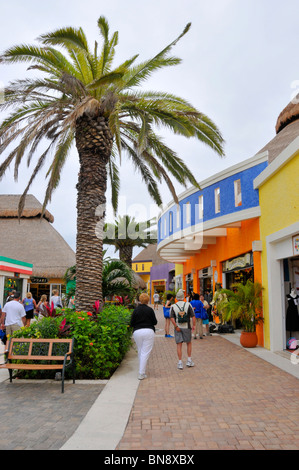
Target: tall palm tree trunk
[(126, 254), (94, 144)]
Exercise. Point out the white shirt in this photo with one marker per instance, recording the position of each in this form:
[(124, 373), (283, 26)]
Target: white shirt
[(14, 313), (156, 297), (56, 300)]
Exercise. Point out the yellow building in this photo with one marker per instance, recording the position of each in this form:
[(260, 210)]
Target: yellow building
[(143, 269), (278, 187)]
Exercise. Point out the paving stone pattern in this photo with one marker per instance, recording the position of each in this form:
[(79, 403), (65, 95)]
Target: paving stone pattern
[(39, 417), (231, 399)]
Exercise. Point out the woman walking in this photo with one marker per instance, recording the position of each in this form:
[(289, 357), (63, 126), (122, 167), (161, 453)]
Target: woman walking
[(143, 321)]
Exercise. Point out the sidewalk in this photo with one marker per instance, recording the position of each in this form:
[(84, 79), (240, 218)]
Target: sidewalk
[(232, 399)]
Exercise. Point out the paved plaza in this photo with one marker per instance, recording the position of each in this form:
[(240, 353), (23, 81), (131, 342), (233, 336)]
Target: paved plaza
[(232, 399)]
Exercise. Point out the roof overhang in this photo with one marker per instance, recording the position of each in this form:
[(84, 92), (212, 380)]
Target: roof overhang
[(184, 244)]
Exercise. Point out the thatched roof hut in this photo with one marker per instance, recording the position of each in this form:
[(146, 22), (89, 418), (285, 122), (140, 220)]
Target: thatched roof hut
[(288, 115), (32, 238), (287, 129)]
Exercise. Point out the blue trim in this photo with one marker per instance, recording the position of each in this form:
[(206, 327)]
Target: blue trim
[(250, 199)]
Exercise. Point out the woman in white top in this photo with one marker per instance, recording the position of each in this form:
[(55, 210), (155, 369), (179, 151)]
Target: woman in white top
[(56, 300)]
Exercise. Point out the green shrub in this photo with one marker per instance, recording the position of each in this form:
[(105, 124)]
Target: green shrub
[(101, 341)]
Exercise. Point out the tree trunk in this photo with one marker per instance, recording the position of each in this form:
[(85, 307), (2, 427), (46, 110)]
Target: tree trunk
[(126, 254), (94, 144)]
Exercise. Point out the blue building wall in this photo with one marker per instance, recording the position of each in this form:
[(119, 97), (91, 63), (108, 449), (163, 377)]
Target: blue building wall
[(250, 199)]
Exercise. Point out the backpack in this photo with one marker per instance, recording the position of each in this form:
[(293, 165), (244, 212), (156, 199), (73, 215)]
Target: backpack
[(183, 316)]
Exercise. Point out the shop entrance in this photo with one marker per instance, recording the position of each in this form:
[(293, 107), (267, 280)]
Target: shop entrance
[(37, 290), (291, 298)]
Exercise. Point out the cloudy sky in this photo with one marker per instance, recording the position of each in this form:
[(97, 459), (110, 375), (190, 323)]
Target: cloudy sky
[(240, 66)]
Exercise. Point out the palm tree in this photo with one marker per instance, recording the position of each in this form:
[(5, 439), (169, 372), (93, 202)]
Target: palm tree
[(117, 278), (78, 97), (126, 233)]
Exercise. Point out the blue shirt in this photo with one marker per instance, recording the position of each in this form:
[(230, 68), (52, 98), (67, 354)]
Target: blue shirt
[(28, 304), (199, 310)]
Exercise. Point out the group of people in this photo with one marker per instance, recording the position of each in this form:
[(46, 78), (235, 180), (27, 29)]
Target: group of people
[(186, 317), (17, 312)]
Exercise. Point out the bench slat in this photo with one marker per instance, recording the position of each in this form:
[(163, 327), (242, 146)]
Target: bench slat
[(31, 366)]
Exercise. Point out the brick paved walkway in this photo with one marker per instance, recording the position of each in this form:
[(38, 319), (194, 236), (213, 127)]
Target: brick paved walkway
[(39, 417), (231, 399)]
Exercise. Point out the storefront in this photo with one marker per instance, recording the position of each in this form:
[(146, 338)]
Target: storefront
[(238, 270), (14, 275), (39, 286), (205, 276)]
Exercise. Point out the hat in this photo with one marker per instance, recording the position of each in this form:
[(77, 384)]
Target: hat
[(17, 295), (180, 294)]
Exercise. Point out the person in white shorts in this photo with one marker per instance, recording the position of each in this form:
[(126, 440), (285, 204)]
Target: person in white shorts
[(13, 315), (182, 311)]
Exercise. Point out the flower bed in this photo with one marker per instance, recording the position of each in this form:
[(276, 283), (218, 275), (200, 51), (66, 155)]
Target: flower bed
[(101, 340)]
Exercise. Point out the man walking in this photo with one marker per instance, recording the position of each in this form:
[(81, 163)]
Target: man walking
[(156, 301), (180, 316), (13, 315)]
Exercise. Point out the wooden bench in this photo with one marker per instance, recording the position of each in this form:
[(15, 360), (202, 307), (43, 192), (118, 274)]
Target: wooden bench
[(40, 350)]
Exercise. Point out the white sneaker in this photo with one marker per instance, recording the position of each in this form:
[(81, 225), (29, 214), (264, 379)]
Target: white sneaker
[(180, 365), (142, 376), (190, 363)]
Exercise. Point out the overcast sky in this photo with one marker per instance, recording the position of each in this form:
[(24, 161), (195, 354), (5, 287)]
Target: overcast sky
[(240, 66)]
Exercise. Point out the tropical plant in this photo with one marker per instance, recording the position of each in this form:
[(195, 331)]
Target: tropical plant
[(99, 345), (117, 278), (78, 97), (243, 302), (126, 233)]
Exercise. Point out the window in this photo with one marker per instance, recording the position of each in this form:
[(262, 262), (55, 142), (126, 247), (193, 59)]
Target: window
[(170, 222), (178, 212), (188, 212), (238, 193), (143, 267), (165, 226), (217, 200), (136, 267), (200, 207)]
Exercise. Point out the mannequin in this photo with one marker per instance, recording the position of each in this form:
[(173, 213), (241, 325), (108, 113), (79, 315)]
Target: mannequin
[(292, 317)]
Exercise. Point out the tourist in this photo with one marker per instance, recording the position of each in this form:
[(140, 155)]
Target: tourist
[(166, 312), (56, 300), (206, 320), (180, 316), (13, 315), (42, 307), (156, 300), (29, 305), (143, 321), (200, 314)]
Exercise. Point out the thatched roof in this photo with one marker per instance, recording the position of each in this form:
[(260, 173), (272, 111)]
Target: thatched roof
[(150, 254), (9, 207), (288, 115), (33, 239), (138, 282), (283, 138)]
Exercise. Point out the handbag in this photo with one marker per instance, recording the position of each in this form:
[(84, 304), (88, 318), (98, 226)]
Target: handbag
[(166, 312)]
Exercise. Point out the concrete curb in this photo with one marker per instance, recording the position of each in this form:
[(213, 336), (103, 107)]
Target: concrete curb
[(105, 423)]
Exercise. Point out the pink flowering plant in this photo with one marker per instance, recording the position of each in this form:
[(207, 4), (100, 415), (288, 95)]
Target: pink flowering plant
[(102, 337)]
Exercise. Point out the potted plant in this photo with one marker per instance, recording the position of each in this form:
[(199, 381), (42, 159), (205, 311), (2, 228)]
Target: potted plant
[(244, 302)]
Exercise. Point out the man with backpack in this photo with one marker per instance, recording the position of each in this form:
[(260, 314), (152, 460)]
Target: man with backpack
[(181, 314)]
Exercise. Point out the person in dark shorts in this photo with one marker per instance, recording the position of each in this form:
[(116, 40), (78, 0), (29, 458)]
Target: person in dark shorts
[(181, 316), (29, 305)]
